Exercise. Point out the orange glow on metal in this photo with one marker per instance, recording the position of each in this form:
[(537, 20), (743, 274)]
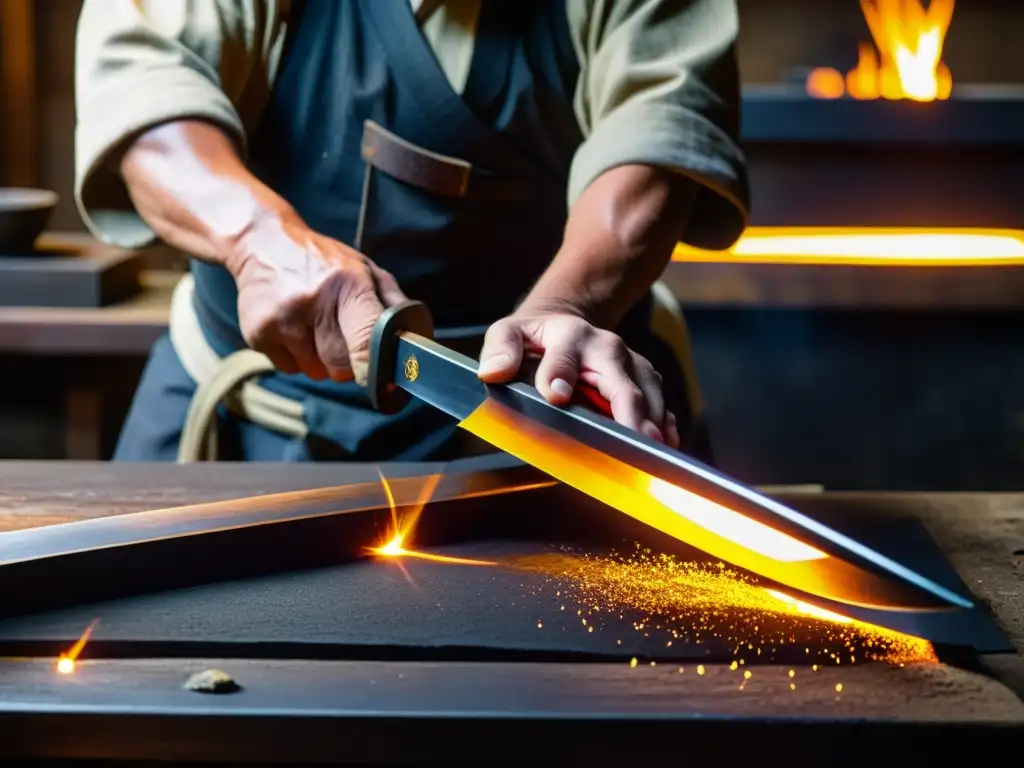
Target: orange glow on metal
[(732, 525), (66, 662), (856, 246), (699, 522), (905, 61)]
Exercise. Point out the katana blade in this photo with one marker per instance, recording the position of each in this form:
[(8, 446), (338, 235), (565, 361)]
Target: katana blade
[(661, 487), (56, 541)]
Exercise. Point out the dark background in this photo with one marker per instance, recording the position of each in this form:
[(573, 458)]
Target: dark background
[(852, 399)]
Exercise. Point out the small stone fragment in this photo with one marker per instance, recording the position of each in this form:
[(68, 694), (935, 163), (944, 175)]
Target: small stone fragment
[(212, 681)]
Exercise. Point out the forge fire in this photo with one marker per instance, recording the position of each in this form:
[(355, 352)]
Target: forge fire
[(903, 62)]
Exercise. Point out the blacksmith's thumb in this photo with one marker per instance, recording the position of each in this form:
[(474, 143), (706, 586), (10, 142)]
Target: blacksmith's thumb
[(357, 318)]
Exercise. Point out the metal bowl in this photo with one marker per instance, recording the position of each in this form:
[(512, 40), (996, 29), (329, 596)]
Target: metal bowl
[(24, 214)]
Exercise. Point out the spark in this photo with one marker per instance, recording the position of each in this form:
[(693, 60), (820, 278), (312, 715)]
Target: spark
[(66, 662), (396, 548), (402, 528)]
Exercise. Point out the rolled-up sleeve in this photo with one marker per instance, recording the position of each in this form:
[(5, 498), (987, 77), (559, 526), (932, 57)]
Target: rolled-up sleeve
[(659, 86), (140, 63)]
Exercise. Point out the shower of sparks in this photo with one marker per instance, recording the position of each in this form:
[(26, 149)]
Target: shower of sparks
[(66, 662), (699, 602)]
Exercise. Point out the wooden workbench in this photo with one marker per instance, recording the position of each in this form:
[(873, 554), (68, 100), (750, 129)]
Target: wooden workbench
[(983, 535)]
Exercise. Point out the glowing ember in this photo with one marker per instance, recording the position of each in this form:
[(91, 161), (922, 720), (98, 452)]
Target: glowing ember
[(66, 662), (698, 602), (906, 59), (861, 246)]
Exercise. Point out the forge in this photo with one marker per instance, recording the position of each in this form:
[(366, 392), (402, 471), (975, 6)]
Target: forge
[(876, 297)]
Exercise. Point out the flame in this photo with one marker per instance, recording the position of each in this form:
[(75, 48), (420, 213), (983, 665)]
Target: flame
[(905, 61), (907, 247), (401, 530), (66, 662)]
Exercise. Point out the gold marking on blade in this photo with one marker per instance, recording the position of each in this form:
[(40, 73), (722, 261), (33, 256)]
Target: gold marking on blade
[(412, 368), (700, 522)]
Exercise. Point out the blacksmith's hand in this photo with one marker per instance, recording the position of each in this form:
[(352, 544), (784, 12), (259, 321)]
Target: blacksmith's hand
[(570, 351), (306, 301)]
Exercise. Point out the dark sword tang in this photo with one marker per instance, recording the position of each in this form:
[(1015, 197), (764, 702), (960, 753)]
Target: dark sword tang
[(657, 485)]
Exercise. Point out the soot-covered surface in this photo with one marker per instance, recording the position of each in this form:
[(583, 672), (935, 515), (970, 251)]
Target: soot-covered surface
[(528, 597), (406, 602)]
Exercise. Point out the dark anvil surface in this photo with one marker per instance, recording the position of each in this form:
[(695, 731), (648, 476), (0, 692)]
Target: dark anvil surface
[(982, 535)]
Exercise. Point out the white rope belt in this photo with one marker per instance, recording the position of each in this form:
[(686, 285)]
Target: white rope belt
[(225, 380)]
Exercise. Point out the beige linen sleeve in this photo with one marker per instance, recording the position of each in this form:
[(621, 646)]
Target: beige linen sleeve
[(139, 63), (659, 85)]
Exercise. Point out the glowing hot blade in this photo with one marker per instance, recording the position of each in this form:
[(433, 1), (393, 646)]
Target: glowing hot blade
[(728, 524), (659, 487), (702, 523)]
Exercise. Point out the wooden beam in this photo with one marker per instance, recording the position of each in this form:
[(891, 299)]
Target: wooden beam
[(19, 145)]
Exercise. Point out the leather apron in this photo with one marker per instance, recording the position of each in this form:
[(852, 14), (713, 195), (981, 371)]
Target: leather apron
[(461, 197)]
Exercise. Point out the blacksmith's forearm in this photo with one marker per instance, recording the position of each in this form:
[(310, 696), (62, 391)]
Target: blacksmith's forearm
[(189, 184), (619, 238)]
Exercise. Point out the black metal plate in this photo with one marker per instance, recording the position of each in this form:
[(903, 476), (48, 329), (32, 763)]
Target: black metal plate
[(246, 590)]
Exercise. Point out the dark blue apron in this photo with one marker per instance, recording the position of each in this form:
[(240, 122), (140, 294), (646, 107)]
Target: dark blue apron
[(468, 236)]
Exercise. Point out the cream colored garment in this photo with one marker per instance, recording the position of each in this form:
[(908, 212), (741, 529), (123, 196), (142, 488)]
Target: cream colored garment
[(657, 85)]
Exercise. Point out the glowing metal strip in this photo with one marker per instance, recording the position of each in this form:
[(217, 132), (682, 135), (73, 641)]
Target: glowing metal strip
[(867, 246)]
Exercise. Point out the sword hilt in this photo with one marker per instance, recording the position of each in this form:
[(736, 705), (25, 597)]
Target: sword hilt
[(407, 317)]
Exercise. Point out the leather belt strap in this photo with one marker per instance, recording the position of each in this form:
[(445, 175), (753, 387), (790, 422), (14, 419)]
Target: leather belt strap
[(433, 172)]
